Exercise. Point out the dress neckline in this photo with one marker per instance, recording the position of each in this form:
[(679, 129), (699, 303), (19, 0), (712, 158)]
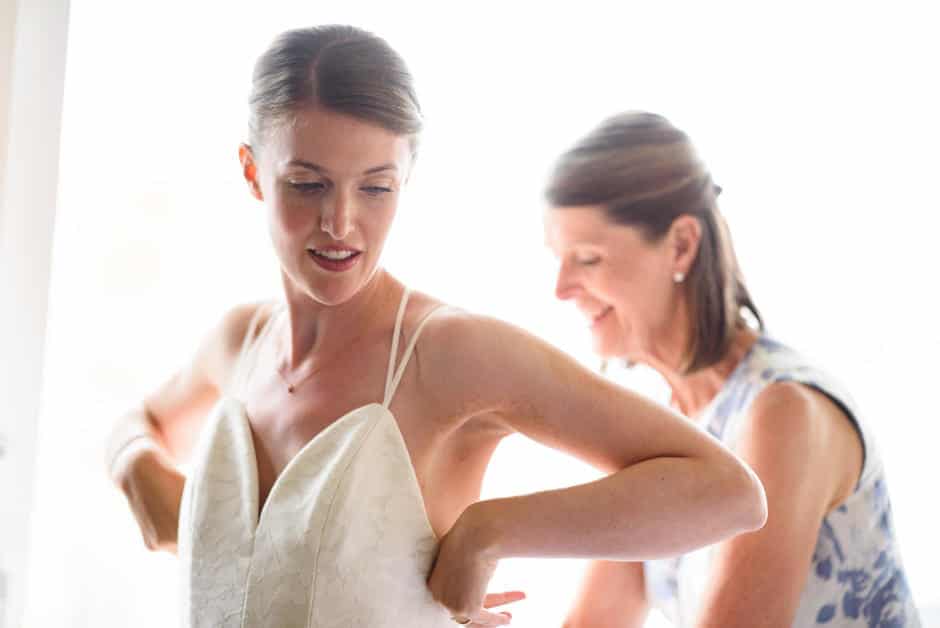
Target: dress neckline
[(259, 509)]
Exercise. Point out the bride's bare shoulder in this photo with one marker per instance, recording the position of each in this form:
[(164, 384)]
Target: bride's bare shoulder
[(237, 327), (473, 350)]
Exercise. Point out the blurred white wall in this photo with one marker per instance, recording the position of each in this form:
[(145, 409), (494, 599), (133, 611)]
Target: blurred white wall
[(32, 78), (7, 22)]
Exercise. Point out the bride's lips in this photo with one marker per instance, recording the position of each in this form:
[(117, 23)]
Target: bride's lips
[(335, 258)]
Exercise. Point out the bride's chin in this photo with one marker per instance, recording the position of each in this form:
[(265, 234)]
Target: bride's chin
[(330, 292)]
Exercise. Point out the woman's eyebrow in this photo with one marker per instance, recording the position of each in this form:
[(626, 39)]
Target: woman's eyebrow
[(382, 168), (309, 165)]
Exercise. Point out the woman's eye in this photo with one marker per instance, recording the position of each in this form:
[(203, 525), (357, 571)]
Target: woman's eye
[(376, 190), (587, 261), (302, 186)]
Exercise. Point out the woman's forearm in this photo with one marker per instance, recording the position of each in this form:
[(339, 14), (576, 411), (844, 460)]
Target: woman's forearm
[(132, 434), (656, 508)]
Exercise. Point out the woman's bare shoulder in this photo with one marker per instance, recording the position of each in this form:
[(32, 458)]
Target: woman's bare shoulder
[(480, 357), (453, 331), (178, 405), (222, 345)]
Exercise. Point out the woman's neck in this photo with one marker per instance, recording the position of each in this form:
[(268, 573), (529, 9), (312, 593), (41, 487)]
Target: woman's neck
[(313, 331), (691, 393)]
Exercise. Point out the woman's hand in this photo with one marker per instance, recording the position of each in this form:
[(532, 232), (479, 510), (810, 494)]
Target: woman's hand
[(154, 490), (461, 572)]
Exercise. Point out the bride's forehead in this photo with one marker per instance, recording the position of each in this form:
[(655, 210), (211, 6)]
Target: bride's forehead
[(329, 137), (315, 122)]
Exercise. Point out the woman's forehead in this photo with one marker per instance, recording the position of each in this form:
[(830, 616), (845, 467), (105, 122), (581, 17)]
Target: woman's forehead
[(588, 226), (337, 143), (570, 225)]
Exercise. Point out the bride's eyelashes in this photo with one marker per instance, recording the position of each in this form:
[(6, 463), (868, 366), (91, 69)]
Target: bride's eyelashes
[(316, 187)]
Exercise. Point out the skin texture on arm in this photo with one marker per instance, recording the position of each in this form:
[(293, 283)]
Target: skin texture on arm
[(809, 458), (663, 470), (176, 408), (671, 487)]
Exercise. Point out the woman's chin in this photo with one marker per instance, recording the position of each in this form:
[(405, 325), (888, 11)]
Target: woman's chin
[(332, 291), (607, 348)]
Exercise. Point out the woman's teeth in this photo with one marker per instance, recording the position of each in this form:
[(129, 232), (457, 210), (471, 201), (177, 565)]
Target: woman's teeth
[(334, 254)]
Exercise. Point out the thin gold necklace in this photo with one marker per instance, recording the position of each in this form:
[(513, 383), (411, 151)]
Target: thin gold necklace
[(292, 387)]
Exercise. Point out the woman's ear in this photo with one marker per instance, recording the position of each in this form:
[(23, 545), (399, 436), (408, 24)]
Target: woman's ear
[(250, 170), (685, 235)]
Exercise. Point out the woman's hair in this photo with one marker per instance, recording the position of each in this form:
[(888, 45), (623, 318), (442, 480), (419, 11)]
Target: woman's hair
[(646, 173), (340, 68)]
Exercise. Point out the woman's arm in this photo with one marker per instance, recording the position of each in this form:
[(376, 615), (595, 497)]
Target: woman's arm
[(809, 458), (169, 417), (612, 595), (148, 442), (671, 488)]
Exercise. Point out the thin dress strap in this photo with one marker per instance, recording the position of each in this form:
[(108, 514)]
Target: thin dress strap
[(392, 382), (390, 374), (247, 354)]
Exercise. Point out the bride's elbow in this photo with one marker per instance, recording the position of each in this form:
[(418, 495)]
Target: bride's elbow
[(747, 498)]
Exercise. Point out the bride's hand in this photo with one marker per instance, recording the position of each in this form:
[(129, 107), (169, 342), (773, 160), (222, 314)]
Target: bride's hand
[(154, 490), (461, 573)]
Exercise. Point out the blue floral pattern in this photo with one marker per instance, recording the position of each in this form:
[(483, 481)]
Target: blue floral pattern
[(856, 578)]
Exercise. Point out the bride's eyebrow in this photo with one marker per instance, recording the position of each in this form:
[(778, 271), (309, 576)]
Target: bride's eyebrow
[(381, 168), (309, 165)]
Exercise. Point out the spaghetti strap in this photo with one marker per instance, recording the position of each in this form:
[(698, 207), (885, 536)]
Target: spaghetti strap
[(390, 373), (246, 356), (392, 382)]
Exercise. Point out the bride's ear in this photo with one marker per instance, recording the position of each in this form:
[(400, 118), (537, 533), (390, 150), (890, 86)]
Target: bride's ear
[(250, 170)]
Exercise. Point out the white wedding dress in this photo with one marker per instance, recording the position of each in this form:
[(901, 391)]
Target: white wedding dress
[(343, 539)]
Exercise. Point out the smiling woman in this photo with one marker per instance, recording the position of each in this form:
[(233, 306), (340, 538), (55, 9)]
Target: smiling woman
[(647, 256), (356, 205), (646, 178)]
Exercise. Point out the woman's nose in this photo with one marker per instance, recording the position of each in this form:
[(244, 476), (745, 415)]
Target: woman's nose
[(336, 219), (564, 287)]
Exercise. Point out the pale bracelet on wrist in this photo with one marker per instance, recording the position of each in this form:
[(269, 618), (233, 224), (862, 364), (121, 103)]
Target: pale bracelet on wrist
[(134, 443)]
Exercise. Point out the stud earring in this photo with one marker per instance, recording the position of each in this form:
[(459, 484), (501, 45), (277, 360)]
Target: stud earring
[(678, 277)]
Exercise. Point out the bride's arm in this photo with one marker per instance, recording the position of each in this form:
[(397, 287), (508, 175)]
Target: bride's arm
[(170, 416), (671, 487), (149, 440)]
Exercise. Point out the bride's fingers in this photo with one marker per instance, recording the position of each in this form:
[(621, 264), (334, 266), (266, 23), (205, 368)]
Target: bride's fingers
[(486, 618), (498, 599)]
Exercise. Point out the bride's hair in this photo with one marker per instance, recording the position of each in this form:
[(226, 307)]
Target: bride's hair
[(340, 68)]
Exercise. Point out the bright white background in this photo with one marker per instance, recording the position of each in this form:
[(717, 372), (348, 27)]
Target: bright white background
[(819, 122)]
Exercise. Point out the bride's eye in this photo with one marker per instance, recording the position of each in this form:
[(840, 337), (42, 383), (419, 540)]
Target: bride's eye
[(307, 186), (376, 190)]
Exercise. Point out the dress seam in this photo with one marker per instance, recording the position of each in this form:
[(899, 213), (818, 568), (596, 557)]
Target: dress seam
[(326, 520)]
